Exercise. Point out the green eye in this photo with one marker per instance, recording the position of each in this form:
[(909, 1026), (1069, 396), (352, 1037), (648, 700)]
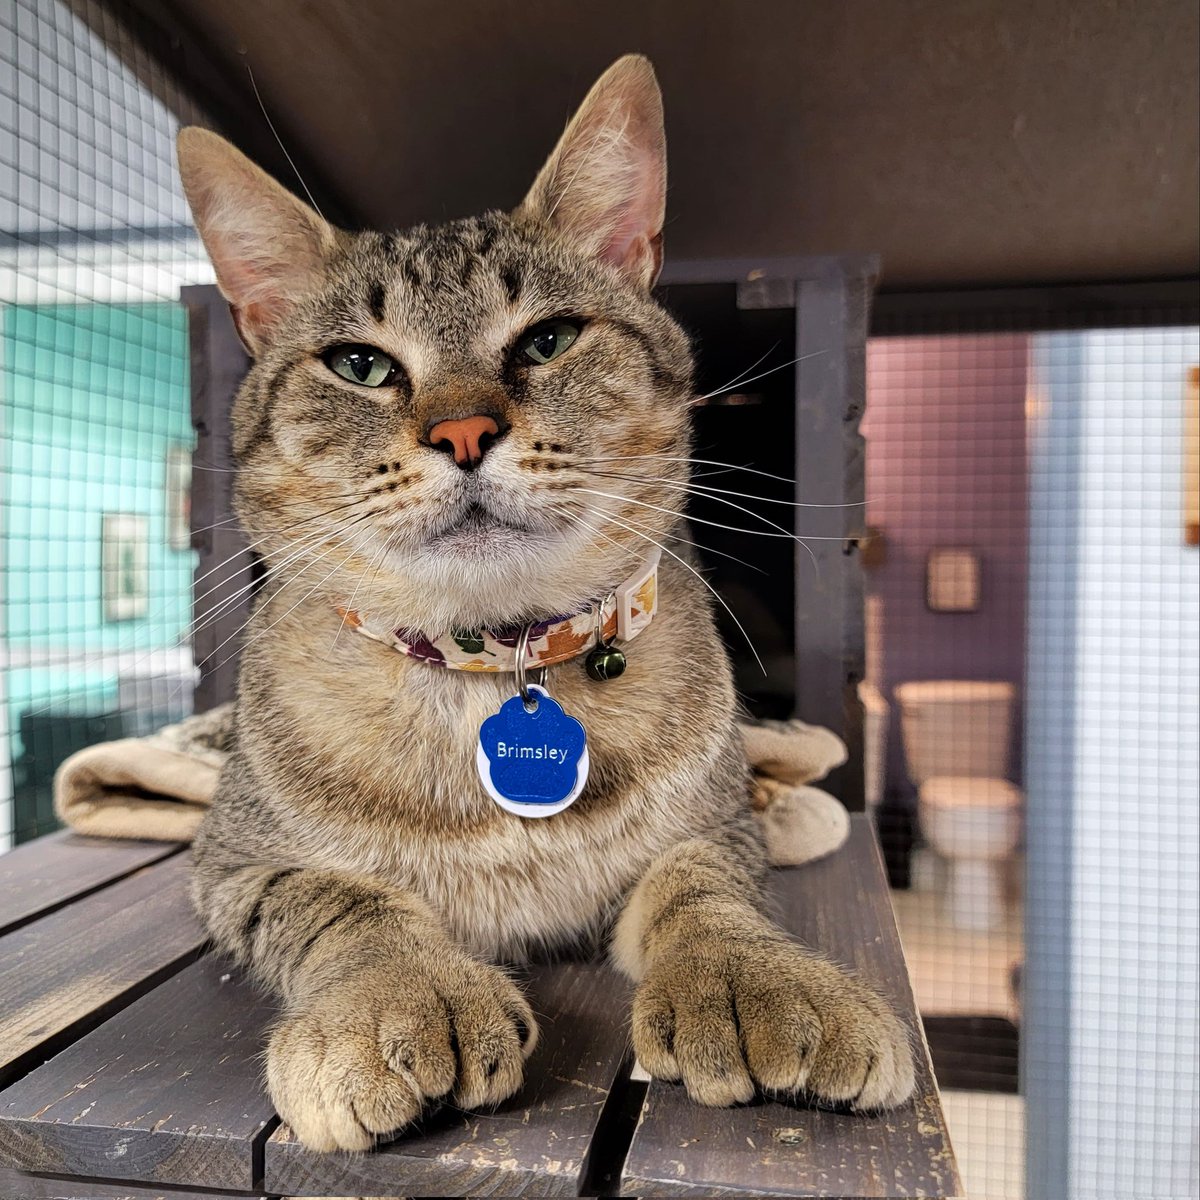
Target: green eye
[(545, 342), (361, 364)]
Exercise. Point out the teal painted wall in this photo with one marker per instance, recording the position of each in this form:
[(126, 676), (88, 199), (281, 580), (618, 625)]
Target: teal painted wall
[(93, 397)]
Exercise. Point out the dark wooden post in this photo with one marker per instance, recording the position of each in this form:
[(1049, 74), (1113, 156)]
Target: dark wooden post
[(831, 297), (227, 567), (832, 307)]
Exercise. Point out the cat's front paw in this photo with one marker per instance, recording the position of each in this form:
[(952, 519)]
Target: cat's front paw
[(363, 1058), (727, 1014)]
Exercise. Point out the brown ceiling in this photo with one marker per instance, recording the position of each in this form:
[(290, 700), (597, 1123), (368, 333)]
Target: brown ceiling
[(968, 141)]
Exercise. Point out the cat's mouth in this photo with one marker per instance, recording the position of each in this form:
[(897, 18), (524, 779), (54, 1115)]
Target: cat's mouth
[(476, 529)]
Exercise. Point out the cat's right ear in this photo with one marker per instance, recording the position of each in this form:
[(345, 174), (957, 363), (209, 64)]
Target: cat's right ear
[(266, 246), (604, 189)]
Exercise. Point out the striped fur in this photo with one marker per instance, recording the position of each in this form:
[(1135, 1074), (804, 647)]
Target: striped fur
[(351, 859)]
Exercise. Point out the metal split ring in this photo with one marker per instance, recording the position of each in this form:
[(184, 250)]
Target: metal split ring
[(601, 640), (538, 673)]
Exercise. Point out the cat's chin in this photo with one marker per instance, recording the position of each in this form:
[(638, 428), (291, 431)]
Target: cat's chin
[(480, 535)]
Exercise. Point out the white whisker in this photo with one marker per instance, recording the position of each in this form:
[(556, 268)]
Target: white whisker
[(709, 462), (741, 375), (688, 542), (355, 550), (375, 559), (274, 133), (761, 375), (683, 562), (783, 533), (704, 491)]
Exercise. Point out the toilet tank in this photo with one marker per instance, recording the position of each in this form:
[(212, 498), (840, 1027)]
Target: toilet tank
[(956, 727)]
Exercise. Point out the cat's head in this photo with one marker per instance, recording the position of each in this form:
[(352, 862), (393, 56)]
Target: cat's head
[(452, 420)]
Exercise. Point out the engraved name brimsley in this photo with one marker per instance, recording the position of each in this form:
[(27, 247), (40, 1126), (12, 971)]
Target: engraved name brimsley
[(516, 750)]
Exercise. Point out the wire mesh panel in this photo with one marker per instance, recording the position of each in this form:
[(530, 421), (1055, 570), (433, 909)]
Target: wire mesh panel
[(95, 406), (1113, 762), (1033, 661)]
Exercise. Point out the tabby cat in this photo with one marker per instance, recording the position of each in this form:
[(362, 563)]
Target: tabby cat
[(477, 427)]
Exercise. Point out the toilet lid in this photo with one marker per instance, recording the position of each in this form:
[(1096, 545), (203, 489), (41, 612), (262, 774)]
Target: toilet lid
[(969, 791)]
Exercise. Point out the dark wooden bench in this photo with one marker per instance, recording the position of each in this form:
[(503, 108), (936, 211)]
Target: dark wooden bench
[(129, 1058)]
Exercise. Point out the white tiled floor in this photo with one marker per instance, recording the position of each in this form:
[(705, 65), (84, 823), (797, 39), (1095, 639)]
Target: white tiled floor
[(955, 970), (988, 1134), (964, 973)]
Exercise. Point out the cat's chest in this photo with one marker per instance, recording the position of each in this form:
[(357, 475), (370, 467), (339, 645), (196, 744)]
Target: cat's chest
[(383, 780), (416, 733), (427, 824)]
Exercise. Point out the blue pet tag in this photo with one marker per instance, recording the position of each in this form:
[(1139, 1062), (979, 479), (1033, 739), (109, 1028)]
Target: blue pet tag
[(533, 764)]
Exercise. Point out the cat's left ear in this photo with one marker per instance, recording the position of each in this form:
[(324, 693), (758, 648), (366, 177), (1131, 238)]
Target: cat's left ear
[(267, 247), (605, 186)]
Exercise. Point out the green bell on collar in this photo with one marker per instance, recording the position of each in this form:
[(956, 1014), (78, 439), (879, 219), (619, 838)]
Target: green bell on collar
[(605, 662)]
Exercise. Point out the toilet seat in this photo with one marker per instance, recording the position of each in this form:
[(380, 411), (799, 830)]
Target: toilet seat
[(969, 791)]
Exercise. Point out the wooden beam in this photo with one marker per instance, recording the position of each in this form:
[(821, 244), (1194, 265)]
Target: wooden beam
[(831, 332), (223, 593), (65, 973), (22, 1186), (535, 1144)]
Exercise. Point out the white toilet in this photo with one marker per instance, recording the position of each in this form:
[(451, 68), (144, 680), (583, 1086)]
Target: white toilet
[(957, 739)]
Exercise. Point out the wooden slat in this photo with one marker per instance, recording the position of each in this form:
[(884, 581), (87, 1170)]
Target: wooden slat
[(43, 875), (535, 1144), (17, 1185), (840, 906), (68, 971), (168, 1091)]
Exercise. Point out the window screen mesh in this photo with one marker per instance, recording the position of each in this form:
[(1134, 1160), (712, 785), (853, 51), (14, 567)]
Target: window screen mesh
[(1033, 625), (94, 404)]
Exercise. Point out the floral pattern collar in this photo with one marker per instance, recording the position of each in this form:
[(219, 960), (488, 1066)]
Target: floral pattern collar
[(622, 615)]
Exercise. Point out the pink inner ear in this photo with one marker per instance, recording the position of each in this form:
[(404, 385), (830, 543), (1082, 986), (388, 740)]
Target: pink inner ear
[(620, 247), (254, 285), (251, 321), (636, 235)]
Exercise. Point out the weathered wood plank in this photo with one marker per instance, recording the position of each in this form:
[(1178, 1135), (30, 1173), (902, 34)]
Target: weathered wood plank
[(17, 1185), (66, 972), (43, 875), (535, 1144), (840, 906), (168, 1091)]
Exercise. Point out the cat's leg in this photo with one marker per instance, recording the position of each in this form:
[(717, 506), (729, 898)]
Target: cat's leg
[(382, 1012), (726, 1001)]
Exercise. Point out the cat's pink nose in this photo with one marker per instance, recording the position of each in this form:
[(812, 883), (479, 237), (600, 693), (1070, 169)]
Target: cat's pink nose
[(467, 438)]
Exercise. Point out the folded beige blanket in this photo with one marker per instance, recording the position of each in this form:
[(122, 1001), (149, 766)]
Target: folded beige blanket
[(158, 787)]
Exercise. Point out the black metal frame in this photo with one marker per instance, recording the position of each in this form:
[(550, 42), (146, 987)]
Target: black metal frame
[(1038, 309)]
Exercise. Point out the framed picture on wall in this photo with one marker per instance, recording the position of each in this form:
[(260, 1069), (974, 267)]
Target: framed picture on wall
[(125, 565), (952, 580), (179, 498)]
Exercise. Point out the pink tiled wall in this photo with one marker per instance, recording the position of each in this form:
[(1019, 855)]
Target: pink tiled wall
[(946, 466)]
